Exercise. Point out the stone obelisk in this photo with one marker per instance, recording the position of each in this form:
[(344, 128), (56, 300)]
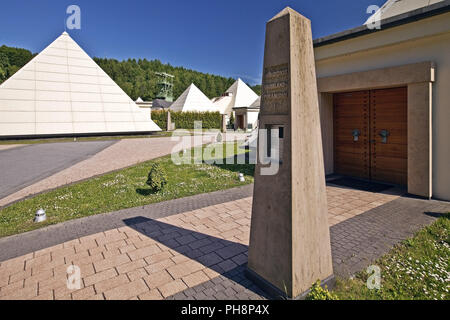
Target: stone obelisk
[(289, 238)]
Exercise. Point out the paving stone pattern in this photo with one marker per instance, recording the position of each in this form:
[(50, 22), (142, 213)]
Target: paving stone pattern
[(200, 253)]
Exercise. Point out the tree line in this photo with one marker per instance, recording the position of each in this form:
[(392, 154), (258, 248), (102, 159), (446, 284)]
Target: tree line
[(11, 60), (136, 77)]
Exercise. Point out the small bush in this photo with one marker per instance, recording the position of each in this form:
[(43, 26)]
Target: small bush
[(157, 178), (319, 293)]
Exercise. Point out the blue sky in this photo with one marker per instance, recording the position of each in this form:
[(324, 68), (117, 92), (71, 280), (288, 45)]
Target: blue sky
[(219, 37)]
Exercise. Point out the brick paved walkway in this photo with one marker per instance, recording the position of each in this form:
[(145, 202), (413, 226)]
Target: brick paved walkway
[(201, 253), (24, 243)]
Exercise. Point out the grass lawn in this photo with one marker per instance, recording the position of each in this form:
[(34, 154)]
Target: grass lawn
[(418, 268), (124, 189)]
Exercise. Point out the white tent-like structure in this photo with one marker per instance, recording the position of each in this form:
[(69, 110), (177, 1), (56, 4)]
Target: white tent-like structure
[(237, 96), (192, 99), (62, 91), (393, 8), (256, 103), (223, 102)]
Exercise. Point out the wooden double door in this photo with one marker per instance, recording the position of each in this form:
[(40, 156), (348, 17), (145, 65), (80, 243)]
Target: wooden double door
[(370, 134), (240, 121)]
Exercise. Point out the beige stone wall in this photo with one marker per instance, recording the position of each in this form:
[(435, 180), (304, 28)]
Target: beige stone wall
[(419, 138), (425, 40)]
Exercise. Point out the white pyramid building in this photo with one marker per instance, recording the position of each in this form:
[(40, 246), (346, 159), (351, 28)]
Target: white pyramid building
[(63, 91), (192, 99), (223, 102), (256, 103), (238, 95)]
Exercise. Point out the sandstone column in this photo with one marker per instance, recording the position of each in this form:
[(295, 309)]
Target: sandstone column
[(224, 124), (289, 238), (169, 121)]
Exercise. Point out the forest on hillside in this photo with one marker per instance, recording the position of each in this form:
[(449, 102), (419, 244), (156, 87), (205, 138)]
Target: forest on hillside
[(11, 60), (136, 77)]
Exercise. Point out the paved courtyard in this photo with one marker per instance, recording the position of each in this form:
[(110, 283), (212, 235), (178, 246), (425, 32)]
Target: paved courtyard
[(25, 165), (9, 146), (192, 248)]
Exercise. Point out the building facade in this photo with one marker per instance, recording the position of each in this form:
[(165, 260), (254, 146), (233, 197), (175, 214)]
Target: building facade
[(385, 100), (247, 117)]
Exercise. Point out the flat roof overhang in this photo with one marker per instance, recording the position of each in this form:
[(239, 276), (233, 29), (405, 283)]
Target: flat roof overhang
[(408, 17), (247, 108)]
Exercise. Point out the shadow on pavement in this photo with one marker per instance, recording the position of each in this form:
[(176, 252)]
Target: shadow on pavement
[(224, 257)]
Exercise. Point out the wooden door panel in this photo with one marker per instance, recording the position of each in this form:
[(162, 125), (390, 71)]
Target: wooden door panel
[(240, 121), (351, 97), (351, 111), (391, 176), (391, 150), (346, 148), (350, 163), (370, 112), (351, 170), (395, 136), (388, 111), (391, 124), (391, 163)]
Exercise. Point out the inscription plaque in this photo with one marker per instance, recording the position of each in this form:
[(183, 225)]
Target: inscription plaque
[(275, 89)]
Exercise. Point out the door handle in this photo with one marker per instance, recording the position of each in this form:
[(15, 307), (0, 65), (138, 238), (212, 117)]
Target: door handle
[(384, 134), (356, 133)]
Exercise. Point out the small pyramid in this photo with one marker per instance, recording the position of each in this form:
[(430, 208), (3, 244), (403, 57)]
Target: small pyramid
[(63, 91), (192, 99), (241, 96)]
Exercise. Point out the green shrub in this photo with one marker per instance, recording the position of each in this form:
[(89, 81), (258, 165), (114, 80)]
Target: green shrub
[(318, 293), (231, 123), (160, 118), (157, 178), (185, 120)]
